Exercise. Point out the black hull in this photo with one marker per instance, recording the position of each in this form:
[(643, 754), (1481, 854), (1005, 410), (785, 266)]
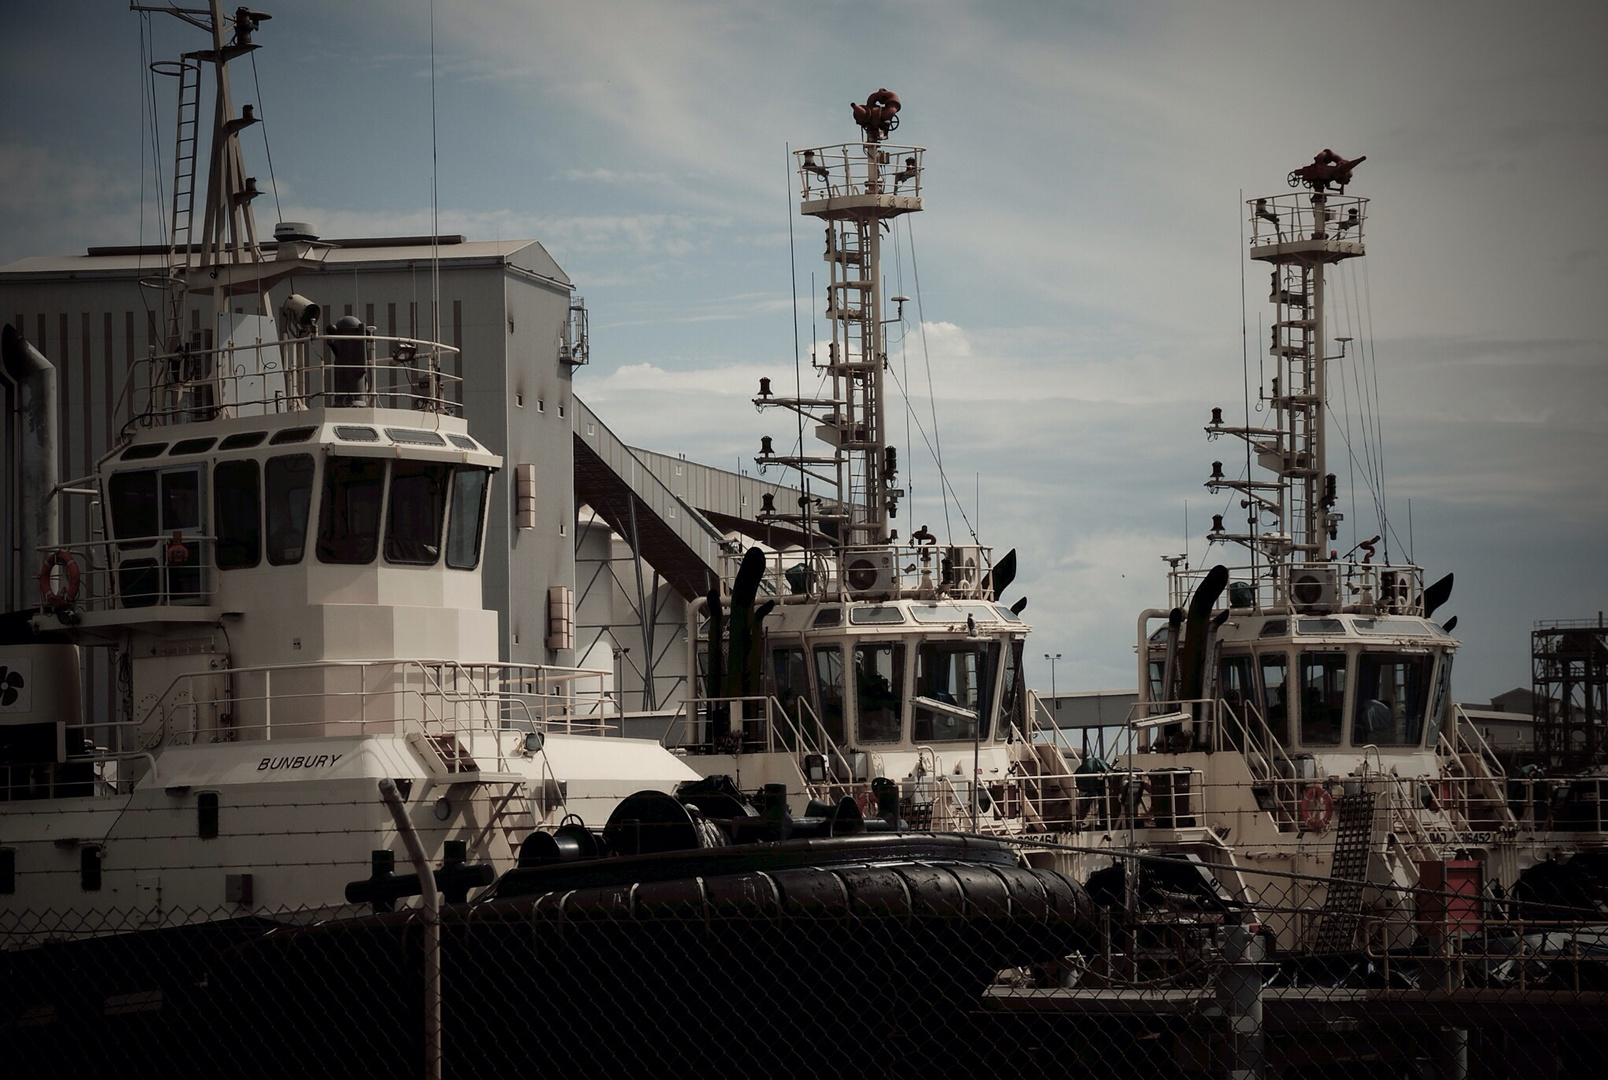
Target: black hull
[(842, 957)]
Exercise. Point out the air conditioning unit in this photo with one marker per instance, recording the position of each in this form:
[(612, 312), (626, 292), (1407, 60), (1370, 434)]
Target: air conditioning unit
[(1315, 590), (872, 575), (962, 570)]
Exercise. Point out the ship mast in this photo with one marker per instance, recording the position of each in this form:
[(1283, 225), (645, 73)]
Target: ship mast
[(1292, 518), (856, 189), (228, 252)]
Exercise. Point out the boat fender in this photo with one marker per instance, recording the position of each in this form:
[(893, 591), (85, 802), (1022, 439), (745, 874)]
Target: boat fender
[(1317, 808), (69, 592)]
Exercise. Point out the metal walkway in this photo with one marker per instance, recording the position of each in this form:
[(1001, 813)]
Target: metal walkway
[(675, 539)]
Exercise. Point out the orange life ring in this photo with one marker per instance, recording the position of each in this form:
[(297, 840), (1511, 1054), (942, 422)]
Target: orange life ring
[(69, 565), (867, 802), (177, 553), (1317, 808)]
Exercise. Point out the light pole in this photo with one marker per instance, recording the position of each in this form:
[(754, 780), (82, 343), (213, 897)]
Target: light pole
[(1055, 708), (619, 681)]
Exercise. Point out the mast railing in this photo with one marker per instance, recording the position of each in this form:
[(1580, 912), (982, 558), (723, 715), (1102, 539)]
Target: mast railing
[(848, 170), (1300, 218)]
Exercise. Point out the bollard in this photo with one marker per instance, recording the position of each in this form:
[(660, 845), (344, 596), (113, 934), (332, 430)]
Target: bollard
[(1239, 996)]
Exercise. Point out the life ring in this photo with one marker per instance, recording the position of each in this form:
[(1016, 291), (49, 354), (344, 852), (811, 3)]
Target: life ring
[(177, 553), (1317, 808), (867, 802), (69, 565)]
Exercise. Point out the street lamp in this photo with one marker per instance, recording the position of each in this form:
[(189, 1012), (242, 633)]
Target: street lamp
[(1055, 715)]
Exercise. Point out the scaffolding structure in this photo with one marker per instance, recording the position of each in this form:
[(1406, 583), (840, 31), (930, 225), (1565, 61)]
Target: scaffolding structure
[(1569, 676)]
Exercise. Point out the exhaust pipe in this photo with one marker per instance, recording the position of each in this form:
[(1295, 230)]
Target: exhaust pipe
[(37, 466)]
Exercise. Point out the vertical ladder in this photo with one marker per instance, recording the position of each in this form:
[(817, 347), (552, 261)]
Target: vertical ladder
[(852, 359), (1296, 348), (185, 146), (1348, 869)]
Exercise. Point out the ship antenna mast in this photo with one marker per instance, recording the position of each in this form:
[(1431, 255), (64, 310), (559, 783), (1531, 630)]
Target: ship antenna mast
[(856, 189), (1299, 235)]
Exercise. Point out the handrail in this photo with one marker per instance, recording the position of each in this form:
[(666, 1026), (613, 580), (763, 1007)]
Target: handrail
[(288, 374), (440, 705), (1478, 744)]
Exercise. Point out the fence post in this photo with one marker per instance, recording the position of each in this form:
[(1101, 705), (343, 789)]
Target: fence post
[(432, 927), (1239, 996)]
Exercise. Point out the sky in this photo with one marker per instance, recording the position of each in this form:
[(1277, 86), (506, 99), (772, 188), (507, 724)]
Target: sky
[(1076, 274)]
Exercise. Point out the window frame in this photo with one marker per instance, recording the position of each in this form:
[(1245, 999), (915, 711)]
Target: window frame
[(223, 540)]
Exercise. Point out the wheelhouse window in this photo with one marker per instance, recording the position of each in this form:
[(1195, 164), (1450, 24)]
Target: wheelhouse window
[(955, 673), (1276, 693), (1441, 701), (1323, 698), (466, 523), (134, 505), (289, 488), (791, 685), (879, 691), (418, 505), (1392, 692), (181, 500), (237, 503), (1012, 703), (349, 515), (1237, 688), (829, 684)]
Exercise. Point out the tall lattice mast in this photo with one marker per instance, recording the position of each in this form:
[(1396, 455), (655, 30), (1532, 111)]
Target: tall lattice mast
[(856, 189), (1291, 519)]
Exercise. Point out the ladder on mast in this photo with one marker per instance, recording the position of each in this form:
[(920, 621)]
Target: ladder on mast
[(187, 137)]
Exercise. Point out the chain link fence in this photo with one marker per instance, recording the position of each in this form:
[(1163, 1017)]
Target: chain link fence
[(936, 962)]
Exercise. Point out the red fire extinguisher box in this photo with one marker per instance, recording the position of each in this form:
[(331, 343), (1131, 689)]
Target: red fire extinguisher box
[(1449, 895)]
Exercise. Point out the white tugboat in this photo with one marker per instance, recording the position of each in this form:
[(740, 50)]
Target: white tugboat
[(1295, 712), (284, 566), (854, 664)]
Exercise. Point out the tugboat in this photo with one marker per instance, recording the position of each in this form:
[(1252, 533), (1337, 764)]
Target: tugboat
[(1295, 712), (849, 662), (283, 566)]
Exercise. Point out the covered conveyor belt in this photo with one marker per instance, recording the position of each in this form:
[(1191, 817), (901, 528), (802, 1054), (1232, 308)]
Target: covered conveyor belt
[(675, 539)]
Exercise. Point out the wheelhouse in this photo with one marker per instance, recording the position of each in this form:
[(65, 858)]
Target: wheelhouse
[(181, 517), (1329, 683)]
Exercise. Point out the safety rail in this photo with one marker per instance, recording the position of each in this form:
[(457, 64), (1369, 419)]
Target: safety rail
[(758, 733), (1469, 740), (1269, 763), (1480, 944), (292, 374), (880, 571), (446, 701), (128, 574), (1303, 217), (1341, 585), (857, 169)]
